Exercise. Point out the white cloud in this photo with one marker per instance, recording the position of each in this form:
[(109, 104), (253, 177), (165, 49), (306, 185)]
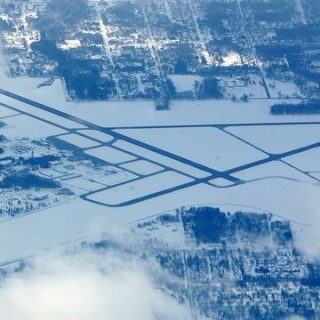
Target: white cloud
[(307, 235), (85, 287)]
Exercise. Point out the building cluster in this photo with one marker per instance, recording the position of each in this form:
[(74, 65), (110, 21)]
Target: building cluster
[(134, 49), (233, 266), (39, 174), (25, 183)]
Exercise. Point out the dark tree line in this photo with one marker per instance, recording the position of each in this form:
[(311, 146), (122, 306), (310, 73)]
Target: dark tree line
[(308, 107)]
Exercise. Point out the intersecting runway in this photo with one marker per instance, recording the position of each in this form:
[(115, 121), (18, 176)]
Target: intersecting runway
[(177, 171)]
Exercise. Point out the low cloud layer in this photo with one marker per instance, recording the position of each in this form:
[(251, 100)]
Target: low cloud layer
[(307, 235), (85, 287)]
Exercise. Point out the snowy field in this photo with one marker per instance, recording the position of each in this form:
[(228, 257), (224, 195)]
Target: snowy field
[(273, 169), (21, 126), (210, 147), (221, 182), (110, 155), (137, 113), (114, 179), (97, 135), (156, 157), (140, 188), (280, 138), (142, 167), (78, 141), (281, 89), (307, 161), (238, 87), (274, 186), (28, 109), (5, 112), (184, 83), (76, 221), (84, 184)]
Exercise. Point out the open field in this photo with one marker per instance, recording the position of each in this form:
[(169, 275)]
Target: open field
[(208, 146), (209, 152), (278, 138)]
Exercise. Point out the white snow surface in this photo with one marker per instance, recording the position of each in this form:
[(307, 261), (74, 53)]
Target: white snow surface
[(307, 161), (110, 155), (184, 82), (140, 188), (75, 221), (279, 138), (273, 169), (156, 157), (78, 140), (22, 126), (208, 146), (137, 113), (72, 222), (97, 135), (142, 167), (5, 112)]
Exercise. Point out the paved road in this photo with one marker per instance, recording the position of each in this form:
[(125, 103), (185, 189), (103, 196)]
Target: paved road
[(253, 49)]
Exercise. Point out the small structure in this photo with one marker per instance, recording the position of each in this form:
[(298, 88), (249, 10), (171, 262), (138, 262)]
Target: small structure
[(162, 102)]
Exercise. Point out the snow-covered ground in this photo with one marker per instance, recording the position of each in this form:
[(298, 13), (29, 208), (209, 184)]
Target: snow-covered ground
[(281, 89), (142, 167), (50, 117), (84, 184), (137, 113), (5, 112), (19, 126), (221, 182), (184, 83), (77, 220), (97, 135), (208, 146), (78, 140), (114, 179), (140, 188), (307, 161), (156, 157), (295, 200), (109, 154), (273, 169), (279, 138), (237, 87)]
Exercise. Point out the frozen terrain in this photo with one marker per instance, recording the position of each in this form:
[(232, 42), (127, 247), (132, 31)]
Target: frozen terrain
[(214, 152)]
